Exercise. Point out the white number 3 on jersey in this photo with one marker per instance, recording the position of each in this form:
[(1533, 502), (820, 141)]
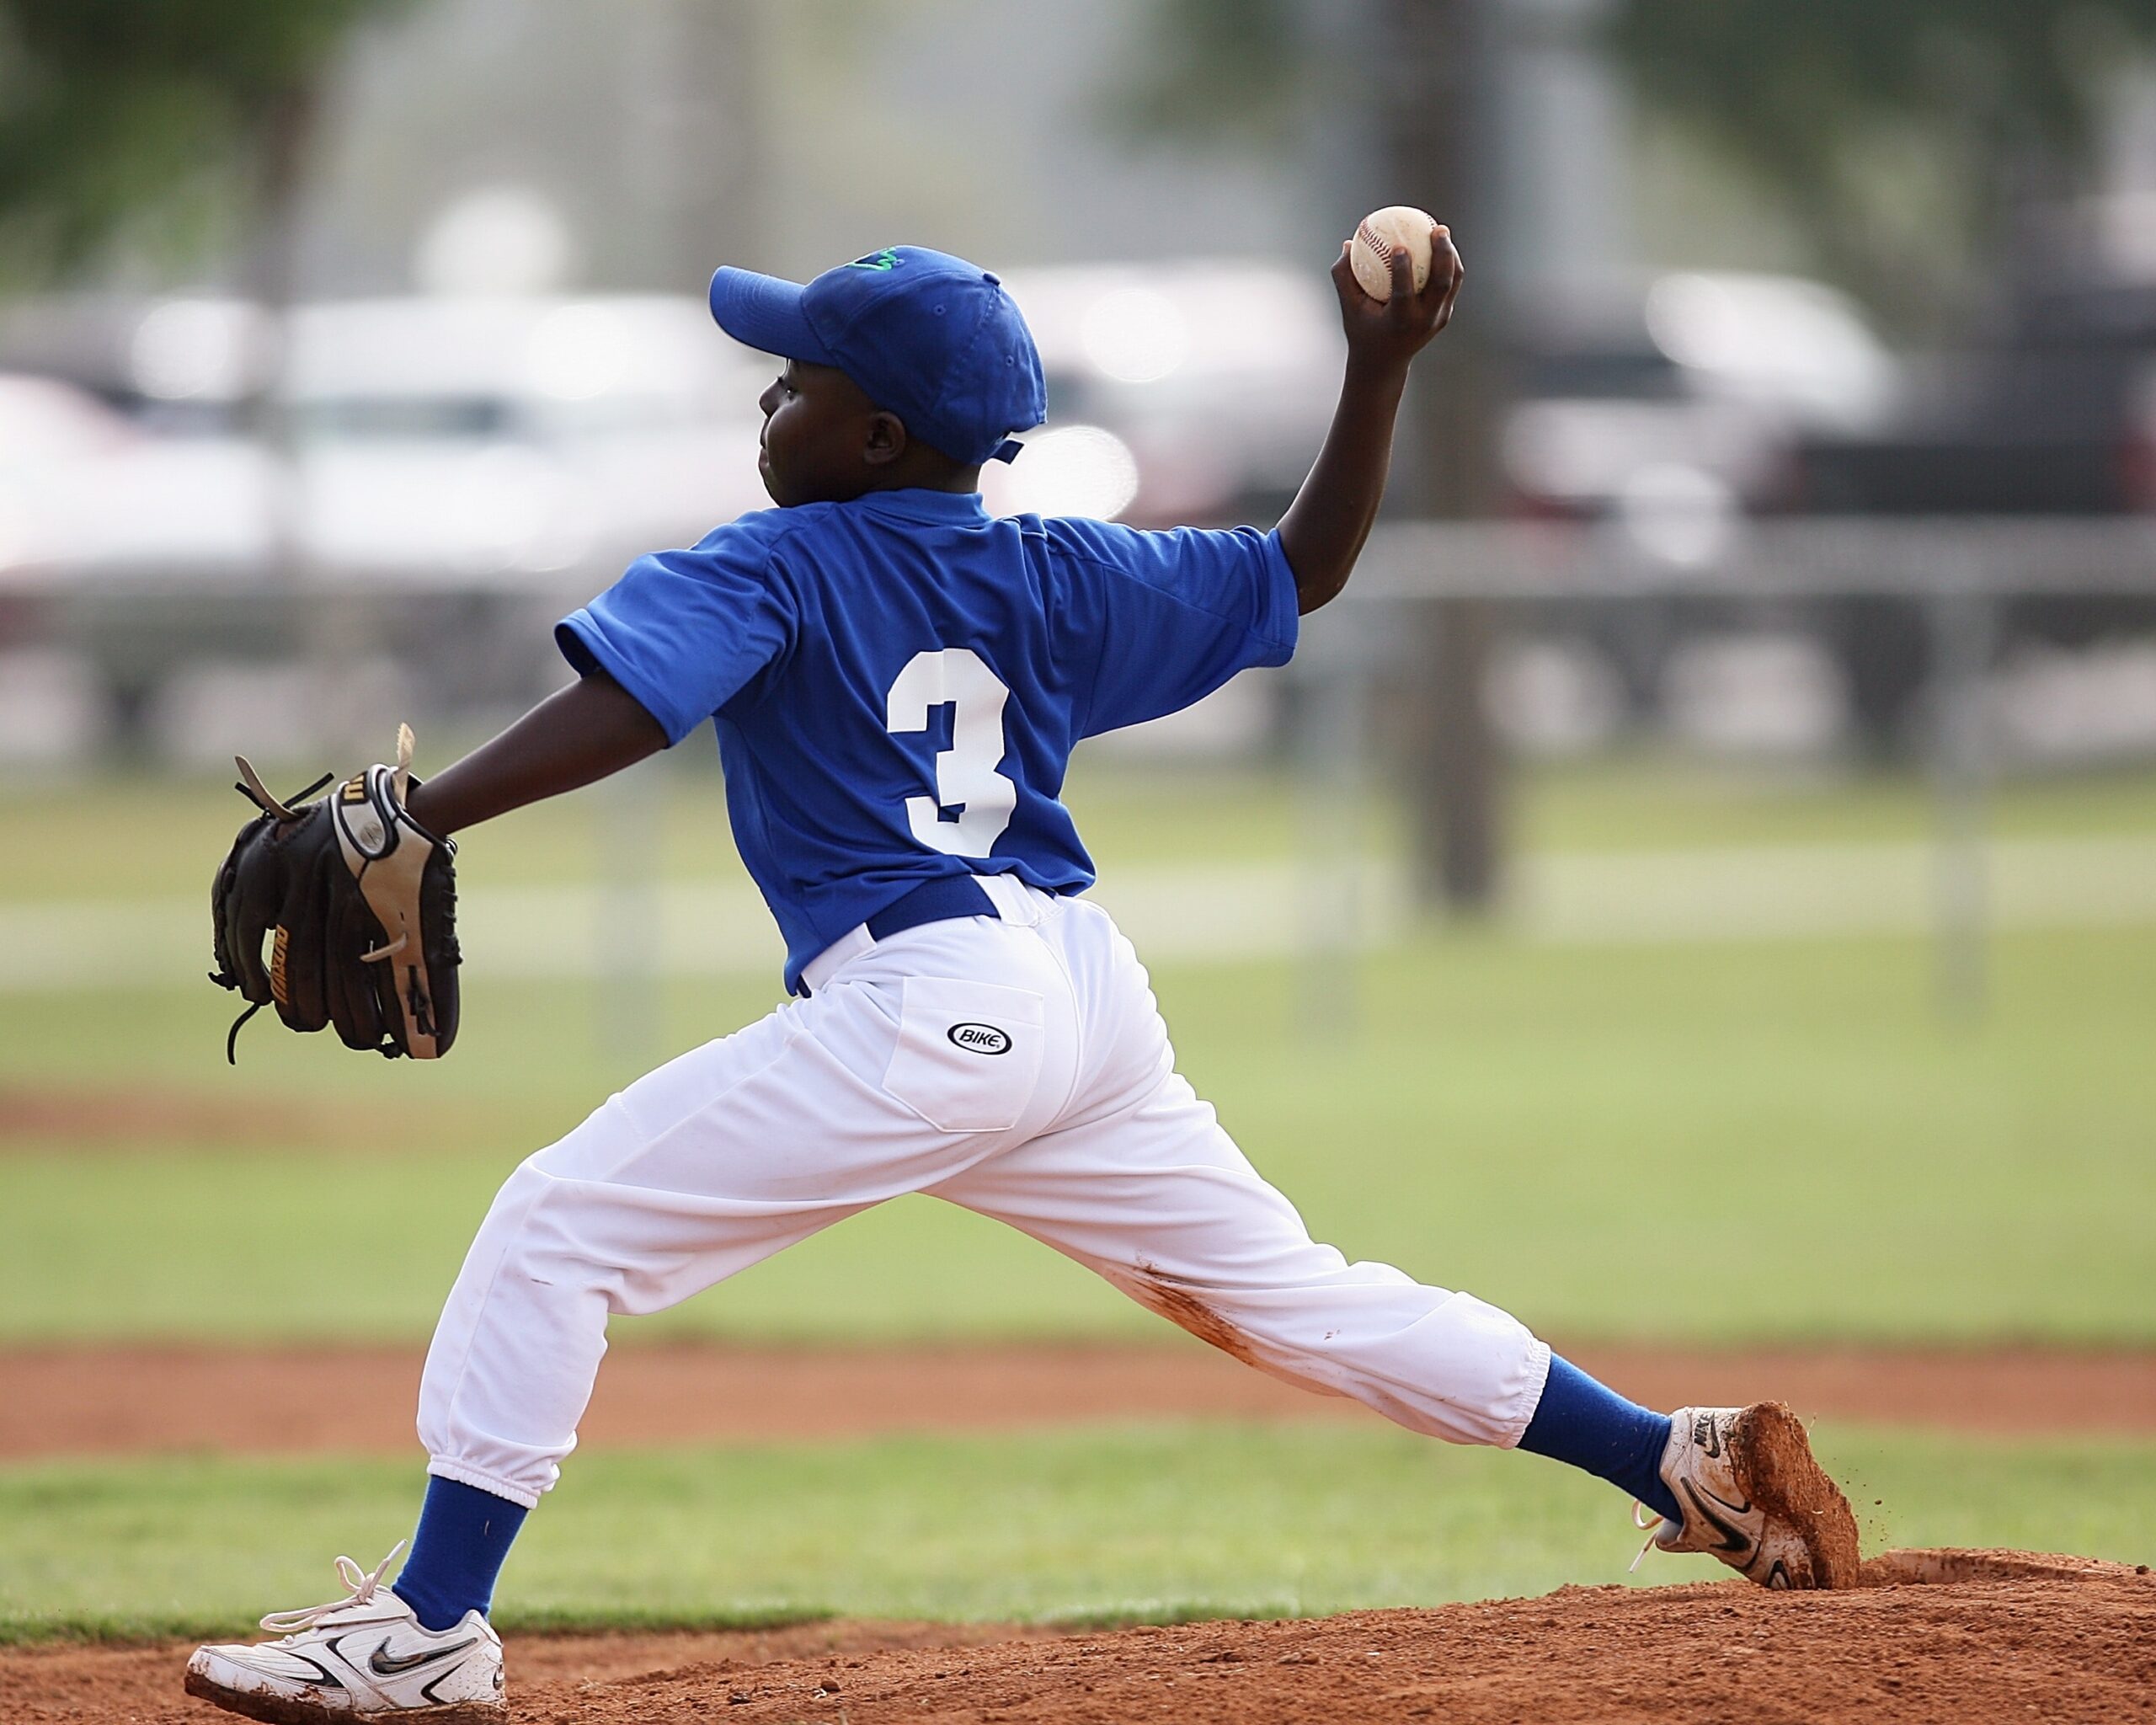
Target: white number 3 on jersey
[(966, 778)]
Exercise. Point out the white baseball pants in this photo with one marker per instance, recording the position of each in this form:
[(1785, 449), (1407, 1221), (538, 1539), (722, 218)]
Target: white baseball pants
[(1017, 1064)]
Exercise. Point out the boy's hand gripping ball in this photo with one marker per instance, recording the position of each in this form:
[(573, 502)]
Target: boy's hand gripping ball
[(1383, 234)]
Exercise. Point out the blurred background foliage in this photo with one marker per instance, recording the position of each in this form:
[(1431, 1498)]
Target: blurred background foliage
[(1217, 73), (1903, 135), (1900, 135), (194, 110)]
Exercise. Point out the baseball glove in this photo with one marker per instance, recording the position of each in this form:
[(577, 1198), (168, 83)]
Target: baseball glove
[(363, 901)]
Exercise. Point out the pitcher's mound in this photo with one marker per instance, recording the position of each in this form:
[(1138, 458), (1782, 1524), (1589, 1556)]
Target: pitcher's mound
[(1948, 1567), (1945, 1636)]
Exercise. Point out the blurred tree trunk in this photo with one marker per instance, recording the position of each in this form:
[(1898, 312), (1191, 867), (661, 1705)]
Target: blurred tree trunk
[(1435, 65), (281, 130), (727, 60), (278, 145), (691, 157)]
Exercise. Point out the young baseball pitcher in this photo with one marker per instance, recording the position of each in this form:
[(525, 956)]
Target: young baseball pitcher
[(896, 681)]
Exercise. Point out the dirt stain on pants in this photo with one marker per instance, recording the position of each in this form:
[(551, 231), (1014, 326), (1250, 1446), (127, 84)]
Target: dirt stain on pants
[(1182, 1308)]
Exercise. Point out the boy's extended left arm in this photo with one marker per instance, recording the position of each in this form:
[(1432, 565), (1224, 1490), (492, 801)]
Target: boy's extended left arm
[(575, 737), (1323, 530)]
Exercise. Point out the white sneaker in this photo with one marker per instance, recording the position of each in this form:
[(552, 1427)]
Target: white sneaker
[(1754, 1496), (362, 1657)]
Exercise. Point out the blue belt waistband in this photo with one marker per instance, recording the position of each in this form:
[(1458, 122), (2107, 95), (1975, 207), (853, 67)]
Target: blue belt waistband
[(937, 901)]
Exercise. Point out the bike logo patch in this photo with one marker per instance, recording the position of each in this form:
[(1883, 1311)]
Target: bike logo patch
[(979, 1038)]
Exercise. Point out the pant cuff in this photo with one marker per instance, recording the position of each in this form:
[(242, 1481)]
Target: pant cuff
[(439, 1467), (1538, 1375)]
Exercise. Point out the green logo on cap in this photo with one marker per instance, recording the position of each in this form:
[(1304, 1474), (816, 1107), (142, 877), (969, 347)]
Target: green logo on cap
[(885, 259)]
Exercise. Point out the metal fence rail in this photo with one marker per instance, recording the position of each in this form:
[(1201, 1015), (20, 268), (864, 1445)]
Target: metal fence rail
[(1959, 581), (1802, 557)]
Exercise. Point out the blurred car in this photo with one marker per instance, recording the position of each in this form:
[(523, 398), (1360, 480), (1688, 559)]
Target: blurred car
[(1185, 392), (43, 420), (504, 442), (169, 364), (1669, 411), (2054, 414), (83, 487), (1690, 393), (44, 423), (2050, 411), (465, 455), (411, 440), (497, 439)]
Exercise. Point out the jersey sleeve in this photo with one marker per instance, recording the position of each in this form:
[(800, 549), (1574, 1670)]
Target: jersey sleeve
[(685, 632), (1173, 615)]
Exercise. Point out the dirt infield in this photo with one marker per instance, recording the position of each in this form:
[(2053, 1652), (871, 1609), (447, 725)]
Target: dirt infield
[(1945, 1638), (139, 1400), (144, 1116)]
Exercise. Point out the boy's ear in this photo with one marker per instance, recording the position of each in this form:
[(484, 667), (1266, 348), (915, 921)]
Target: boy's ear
[(887, 439)]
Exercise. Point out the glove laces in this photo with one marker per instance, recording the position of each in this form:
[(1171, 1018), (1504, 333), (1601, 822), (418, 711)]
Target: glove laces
[(363, 1583)]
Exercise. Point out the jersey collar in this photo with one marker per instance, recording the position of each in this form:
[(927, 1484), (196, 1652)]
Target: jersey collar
[(955, 508)]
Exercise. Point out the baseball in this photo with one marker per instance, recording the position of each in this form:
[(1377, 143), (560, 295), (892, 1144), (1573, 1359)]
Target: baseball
[(1397, 227)]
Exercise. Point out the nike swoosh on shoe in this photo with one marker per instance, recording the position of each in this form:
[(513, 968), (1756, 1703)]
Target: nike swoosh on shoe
[(1706, 1504), (382, 1665)]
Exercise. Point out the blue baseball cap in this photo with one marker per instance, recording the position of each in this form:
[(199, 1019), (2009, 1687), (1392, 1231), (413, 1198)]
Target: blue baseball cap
[(927, 336)]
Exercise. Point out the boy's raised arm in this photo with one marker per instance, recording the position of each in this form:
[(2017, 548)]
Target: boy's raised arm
[(574, 737), (1323, 530)]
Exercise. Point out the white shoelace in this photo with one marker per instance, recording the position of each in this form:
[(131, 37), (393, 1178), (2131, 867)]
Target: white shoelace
[(363, 1583), (1647, 1527)]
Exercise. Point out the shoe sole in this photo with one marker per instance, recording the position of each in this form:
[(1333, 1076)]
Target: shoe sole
[(1773, 1457), (294, 1710)]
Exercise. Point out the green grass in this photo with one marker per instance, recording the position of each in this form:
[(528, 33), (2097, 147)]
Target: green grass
[(1653, 803), (86, 840), (1767, 1140), (1138, 1523), (1712, 1142)]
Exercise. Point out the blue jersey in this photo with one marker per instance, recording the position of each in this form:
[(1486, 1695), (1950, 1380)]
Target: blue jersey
[(897, 682)]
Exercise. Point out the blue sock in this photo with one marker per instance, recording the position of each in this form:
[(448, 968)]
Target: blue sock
[(464, 1534), (1592, 1427)]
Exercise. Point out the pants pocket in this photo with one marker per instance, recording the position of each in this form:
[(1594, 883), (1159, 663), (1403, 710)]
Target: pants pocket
[(969, 1053)]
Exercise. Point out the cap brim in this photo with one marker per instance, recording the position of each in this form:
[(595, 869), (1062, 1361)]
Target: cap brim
[(764, 312)]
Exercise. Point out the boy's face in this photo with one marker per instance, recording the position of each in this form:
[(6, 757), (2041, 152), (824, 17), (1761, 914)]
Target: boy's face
[(820, 433)]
